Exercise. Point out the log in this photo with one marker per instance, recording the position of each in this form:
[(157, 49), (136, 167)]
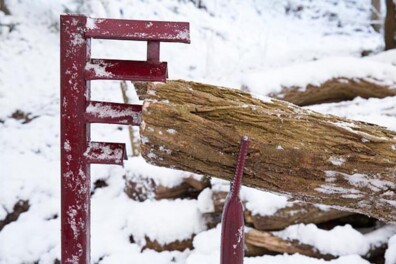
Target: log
[(331, 91), (141, 189), (270, 242), (314, 158), (296, 213), (293, 213), (175, 245)]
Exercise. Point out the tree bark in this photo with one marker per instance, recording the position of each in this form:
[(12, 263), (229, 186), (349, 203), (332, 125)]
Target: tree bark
[(312, 157), (331, 91)]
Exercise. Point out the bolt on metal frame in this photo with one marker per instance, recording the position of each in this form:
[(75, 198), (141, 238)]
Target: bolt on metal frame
[(78, 111)]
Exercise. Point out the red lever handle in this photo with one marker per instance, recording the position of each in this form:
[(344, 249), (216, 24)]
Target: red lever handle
[(232, 234)]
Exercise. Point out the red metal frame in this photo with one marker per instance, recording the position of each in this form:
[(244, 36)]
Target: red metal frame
[(77, 111)]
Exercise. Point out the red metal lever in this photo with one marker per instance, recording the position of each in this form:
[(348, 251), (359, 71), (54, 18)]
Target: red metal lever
[(232, 234)]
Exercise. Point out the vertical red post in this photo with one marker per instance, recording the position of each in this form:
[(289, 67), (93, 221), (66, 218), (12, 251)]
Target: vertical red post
[(75, 178), (232, 229)]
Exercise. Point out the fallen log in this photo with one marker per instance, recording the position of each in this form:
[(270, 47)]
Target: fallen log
[(334, 90), (315, 158), (141, 189), (270, 242), (297, 213), (293, 213)]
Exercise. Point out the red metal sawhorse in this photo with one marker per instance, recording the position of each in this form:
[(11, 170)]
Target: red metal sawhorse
[(77, 111)]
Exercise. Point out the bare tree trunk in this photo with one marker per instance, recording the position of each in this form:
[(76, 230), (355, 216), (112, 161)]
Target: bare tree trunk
[(390, 25), (4, 8), (313, 157)]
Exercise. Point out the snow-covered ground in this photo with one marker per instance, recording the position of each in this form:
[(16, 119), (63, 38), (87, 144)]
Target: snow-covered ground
[(230, 40)]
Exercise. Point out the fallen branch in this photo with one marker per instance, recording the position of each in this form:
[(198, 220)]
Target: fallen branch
[(334, 90)]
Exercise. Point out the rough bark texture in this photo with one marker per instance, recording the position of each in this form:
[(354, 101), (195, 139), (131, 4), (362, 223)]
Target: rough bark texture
[(315, 158), (334, 90)]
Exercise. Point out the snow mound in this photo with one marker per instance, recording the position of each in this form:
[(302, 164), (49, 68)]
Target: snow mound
[(318, 72), (373, 110)]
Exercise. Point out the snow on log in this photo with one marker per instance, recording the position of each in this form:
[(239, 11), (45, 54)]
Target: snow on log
[(312, 157), (324, 81)]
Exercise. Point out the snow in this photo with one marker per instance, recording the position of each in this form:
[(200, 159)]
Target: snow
[(103, 110), (138, 167), (262, 203), (390, 254), (99, 68), (339, 241), (207, 250), (225, 49), (337, 161), (318, 72), (373, 110), (327, 242), (205, 201)]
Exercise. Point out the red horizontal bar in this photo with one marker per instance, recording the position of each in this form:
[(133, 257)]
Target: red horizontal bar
[(105, 153), (113, 113), (102, 69), (138, 30)]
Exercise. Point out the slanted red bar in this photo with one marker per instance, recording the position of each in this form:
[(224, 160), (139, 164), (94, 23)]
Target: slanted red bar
[(138, 30), (75, 174), (106, 153), (113, 113), (99, 69)]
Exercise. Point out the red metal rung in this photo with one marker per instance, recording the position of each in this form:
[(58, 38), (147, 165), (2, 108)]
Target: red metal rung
[(100, 69), (113, 113), (138, 30), (105, 153)]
